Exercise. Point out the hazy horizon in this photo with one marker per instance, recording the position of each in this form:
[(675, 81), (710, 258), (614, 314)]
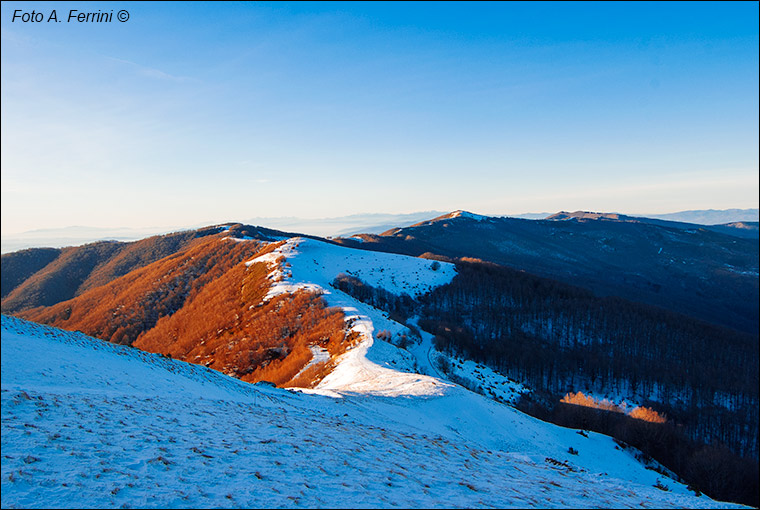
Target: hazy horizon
[(368, 223)]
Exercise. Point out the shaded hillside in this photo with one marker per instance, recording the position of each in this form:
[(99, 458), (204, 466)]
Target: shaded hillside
[(744, 229), (556, 339), (77, 269), (706, 274), (18, 266), (560, 338), (46, 276)]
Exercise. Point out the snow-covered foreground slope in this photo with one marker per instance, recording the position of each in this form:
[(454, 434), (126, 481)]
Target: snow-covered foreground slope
[(90, 424)]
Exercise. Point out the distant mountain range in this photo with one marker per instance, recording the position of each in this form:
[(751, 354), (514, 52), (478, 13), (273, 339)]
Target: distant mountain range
[(709, 216), (708, 272), (336, 226), (746, 229), (342, 225), (701, 216)]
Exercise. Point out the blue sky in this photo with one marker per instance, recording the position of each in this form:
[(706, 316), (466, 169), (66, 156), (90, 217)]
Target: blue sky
[(193, 113)]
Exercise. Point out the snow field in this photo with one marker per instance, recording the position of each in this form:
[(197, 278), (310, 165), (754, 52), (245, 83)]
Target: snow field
[(318, 263), (91, 424)]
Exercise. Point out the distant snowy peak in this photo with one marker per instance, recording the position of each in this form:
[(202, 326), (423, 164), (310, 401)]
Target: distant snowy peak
[(588, 215), (466, 215), (745, 225)]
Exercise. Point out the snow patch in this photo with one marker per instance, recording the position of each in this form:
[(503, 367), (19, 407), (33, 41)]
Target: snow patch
[(469, 215)]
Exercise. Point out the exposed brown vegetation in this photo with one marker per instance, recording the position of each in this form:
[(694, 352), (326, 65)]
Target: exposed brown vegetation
[(60, 279), (647, 414), (46, 276), (227, 327), (18, 266), (638, 412), (126, 307), (580, 399)]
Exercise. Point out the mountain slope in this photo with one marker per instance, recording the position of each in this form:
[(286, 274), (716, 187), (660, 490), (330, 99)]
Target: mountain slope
[(280, 316), (301, 264), (710, 216), (745, 229), (21, 265), (47, 276), (696, 271), (122, 309), (99, 425), (77, 269), (203, 304)]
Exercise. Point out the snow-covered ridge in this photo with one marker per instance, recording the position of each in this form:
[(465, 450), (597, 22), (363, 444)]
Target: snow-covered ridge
[(90, 424), (312, 263), (452, 215), (370, 367), (465, 214)]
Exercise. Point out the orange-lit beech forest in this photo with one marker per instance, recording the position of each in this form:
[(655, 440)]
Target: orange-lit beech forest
[(204, 305)]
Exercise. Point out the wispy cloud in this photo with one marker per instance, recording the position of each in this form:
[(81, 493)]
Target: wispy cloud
[(151, 72)]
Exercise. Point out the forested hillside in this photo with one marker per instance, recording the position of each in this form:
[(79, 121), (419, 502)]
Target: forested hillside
[(560, 338), (46, 276), (699, 380), (692, 270), (20, 265), (68, 272), (205, 306)]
